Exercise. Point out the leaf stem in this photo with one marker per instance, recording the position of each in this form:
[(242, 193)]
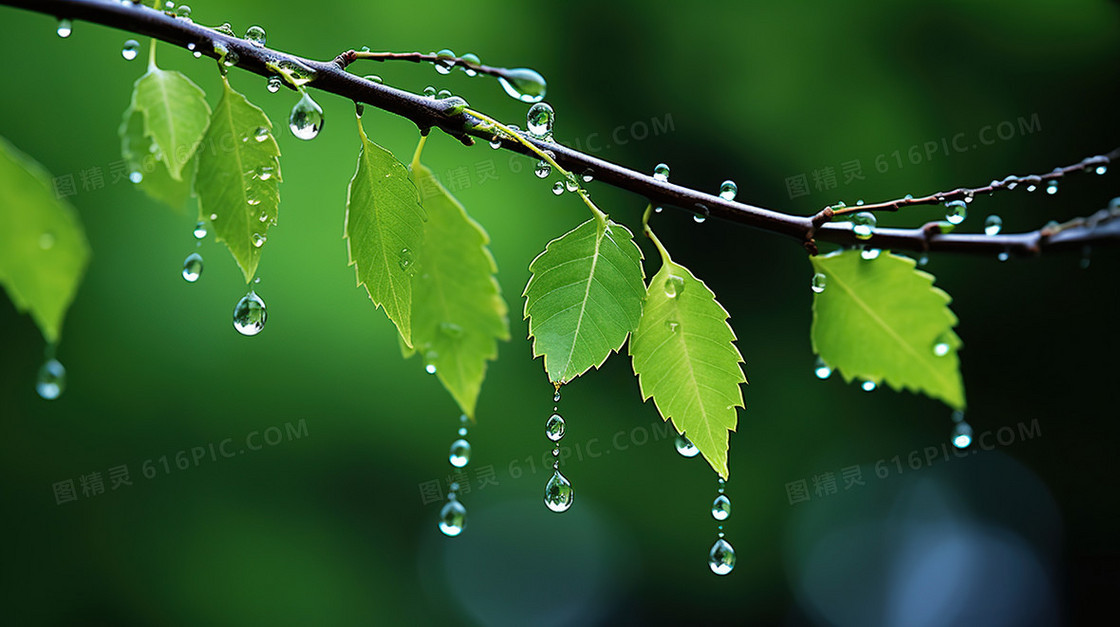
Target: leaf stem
[(665, 258), (543, 154)]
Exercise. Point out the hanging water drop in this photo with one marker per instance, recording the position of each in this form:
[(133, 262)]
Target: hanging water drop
[(558, 188), (868, 386), (1003, 256), (249, 315), (818, 283), (728, 190), (543, 169), (721, 559), (870, 253), (674, 285), (259, 240), (721, 507), (570, 183), (942, 346), (192, 267), (863, 224), (558, 493), (539, 120), (554, 428), (822, 370), (469, 59), (685, 447), (923, 260), (992, 225), (1101, 169), (51, 380), (556, 396), (230, 58), (701, 214), (452, 518), (306, 119), (496, 142), (962, 434), (256, 36), (200, 230), (523, 84), (274, 84), (130, 50), (955, 211), (445, 61), (1052, 188), (661, 172), (460, 453), (64, 28)]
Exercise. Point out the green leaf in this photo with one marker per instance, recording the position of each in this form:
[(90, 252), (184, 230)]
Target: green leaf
[(458, 314), (384, 231), (175, 115), (685, 358), (584, 297), (881, 319), (43, 247), (238, 180), (137, 152)]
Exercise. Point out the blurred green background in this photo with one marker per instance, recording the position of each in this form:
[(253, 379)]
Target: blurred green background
[(332, 528)]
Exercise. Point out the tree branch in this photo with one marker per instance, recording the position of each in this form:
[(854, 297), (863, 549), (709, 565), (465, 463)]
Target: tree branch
[(449, 116)]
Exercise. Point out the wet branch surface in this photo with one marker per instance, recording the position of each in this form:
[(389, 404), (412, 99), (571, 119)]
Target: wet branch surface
[(1101, 228)]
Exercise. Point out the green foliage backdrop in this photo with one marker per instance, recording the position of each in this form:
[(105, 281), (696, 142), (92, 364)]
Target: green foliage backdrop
[(331, 528)]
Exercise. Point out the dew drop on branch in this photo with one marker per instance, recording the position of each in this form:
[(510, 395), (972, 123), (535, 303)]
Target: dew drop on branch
[(523, 84), (728, 190), (993, 224), (445, 61), (661, 172), (306, 119), (863, 224), (256, 36), (539, 120)]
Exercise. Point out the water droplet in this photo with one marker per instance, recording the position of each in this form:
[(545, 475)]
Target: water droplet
[(1101, 169), (822, 370), (226, 28), (130, 50), (661, 172), (558, 493), (213, 217), (728, 190), (721, 507), (183, 11), (685, 447), (570, 183), (962, 434), (1052, 188), (445, 61), (249, 315), (460, 453), (192, 267), (295, 73), (135, 176), (260, 135), (373, 78), (259, 240), (231, 58), (46, 240), (543, 169), (868, 386), (306, 119), (941, 346), (51, 380), (470, 57), (721, 559), (443, 94), (701, 214), (672, 325), (405, 260), (539, 120), (430, 368), (674, 285), (64, 28), (556, 396), (462, 432), (819, 282), (496, 142), (274, 84), (523, 84), (992, 225), (452, 518), (256, 36), (558, 188), (870, 253), (554, 428), (429, 92), (955, 211), (863, 224), (923, 260)]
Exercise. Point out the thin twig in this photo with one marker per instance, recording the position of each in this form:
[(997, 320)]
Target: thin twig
[(450, 117)]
